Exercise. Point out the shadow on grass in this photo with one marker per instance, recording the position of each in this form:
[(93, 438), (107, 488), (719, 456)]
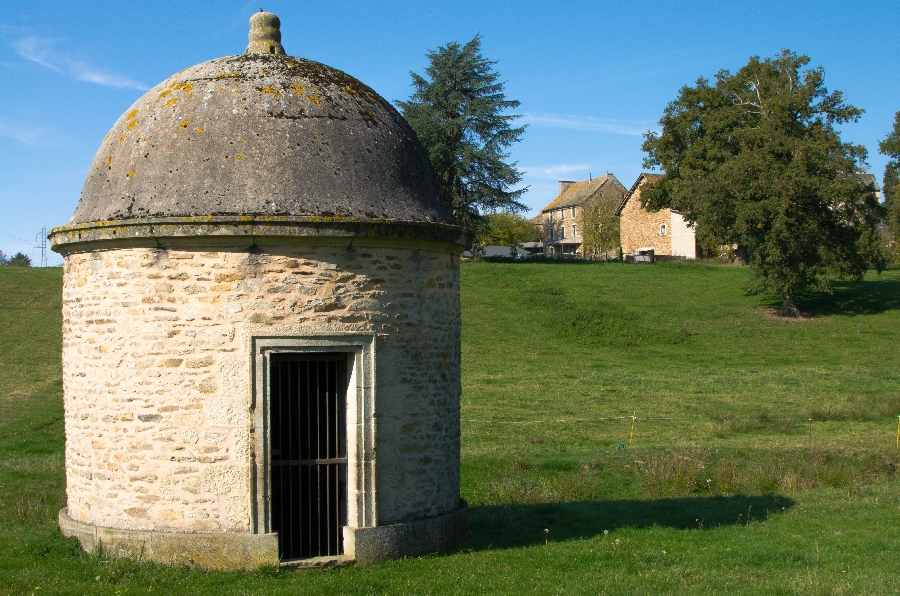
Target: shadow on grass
[(870, 297), (509, 526)]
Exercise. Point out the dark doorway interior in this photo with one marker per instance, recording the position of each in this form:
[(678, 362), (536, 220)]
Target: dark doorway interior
[(309, 453)]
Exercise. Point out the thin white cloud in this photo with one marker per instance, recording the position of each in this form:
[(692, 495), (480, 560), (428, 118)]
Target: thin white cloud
[(41, 50), (30, 135), (587, 123), (554, 171)]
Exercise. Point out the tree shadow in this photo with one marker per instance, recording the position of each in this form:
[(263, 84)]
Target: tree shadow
[(868, 297), (511, 526)]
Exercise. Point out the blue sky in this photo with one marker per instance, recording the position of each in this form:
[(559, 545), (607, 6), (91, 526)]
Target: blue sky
[(591, 77)]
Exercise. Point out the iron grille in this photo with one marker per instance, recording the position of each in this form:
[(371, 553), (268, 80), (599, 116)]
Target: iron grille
[(309, 453)]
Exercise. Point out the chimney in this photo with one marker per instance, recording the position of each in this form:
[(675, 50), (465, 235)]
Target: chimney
[(564, 185)]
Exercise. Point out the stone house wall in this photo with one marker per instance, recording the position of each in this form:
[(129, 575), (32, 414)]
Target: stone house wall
[(157, 374), (639, 228), (561, 224)]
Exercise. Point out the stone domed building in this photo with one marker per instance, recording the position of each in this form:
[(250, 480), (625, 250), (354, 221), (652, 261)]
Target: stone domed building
[(261, 324)]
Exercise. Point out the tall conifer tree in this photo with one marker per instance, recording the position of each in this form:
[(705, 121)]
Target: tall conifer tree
[(890, 146), (459, 112)]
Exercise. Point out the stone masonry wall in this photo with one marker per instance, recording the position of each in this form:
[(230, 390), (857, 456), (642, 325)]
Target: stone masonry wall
[(157, 365), (639, 228)]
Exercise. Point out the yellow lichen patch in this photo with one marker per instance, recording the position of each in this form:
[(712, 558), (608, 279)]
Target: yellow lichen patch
[(223, 75), (131, 114), (184, 124), (291, 63), (270, 91), (317, 134), (131, 174), (239, 156), (121, 138), (316, 100), (236, 91), (109, 160), (171, 102), (298, 88), (200, 130), (165, 93), (131, 125), (225, 158), (222, 89), (349, 91), (183, 86), (107, 136)]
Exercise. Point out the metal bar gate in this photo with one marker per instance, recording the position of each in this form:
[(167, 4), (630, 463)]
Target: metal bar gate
[(309, 453)]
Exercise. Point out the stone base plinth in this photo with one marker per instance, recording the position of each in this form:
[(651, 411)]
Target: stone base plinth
[(251, 551), (208, 551), (418, 537)]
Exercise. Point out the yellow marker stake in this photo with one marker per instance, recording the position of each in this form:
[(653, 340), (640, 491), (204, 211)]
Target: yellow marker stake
[(633, 418)]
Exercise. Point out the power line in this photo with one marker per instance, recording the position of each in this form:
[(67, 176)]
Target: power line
[(8, 235)]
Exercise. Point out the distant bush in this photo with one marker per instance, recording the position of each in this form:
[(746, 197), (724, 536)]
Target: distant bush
[(17, 260)]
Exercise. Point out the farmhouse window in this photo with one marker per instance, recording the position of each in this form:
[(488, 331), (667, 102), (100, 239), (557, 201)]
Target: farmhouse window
[(562, 215), (662, 230), (574, 232)]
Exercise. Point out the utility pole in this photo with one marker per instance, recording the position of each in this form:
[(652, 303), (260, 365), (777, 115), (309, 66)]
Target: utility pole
[(41, 240)]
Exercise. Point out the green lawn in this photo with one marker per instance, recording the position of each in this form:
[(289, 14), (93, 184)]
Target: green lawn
[(724, 487)]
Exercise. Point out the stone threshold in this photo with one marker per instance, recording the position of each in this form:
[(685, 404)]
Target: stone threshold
[(316, 562)]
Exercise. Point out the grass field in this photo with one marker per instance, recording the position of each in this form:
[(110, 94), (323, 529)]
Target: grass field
[(762, 458)]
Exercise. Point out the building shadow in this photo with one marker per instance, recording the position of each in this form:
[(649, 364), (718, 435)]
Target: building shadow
[(510, 526)]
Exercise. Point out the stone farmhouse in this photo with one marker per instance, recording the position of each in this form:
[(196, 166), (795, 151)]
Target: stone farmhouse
[(561, 219), (665, 232)]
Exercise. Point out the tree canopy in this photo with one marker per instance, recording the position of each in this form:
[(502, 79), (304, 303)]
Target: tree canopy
[(754, 160), (890, 146), (459, 112), (599, 227), (506, 229)]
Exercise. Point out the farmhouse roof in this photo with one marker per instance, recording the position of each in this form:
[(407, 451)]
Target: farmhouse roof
[(579, 192), (869, 180), (644, 176)]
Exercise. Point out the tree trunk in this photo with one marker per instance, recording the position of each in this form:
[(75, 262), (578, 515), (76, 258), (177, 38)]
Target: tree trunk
[(788, 306)]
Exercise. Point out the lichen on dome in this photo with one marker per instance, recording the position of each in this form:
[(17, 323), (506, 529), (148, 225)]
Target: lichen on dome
[(261, 134)]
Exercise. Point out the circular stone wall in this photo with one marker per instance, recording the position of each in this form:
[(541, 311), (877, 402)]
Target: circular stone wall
[(158, 365)]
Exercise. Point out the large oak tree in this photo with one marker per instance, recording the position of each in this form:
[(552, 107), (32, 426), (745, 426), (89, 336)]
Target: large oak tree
[(460, 113), (754, 159)]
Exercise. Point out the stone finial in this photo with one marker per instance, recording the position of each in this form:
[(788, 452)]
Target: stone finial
[(265, 34)]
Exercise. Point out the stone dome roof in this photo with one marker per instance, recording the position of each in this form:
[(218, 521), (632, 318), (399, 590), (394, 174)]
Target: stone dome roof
[(261, 134)]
